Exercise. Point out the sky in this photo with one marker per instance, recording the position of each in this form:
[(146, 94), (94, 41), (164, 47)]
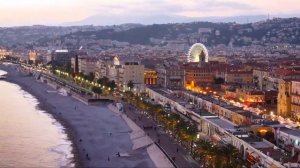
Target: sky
[(56, 12)]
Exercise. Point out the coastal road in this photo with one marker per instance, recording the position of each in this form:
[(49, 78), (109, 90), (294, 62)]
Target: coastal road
[(172, 148)]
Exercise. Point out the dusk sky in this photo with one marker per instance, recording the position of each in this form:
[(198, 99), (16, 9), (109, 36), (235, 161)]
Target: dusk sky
[(55, 12)]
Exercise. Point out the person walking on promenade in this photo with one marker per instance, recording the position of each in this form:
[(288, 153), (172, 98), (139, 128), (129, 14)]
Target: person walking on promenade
[(108, 159)]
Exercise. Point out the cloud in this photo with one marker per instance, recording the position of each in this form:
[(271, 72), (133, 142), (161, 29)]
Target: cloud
[(17, 12), (216, 8)]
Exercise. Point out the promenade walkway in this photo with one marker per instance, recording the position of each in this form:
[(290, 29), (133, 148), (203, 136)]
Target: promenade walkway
[(169, 145)]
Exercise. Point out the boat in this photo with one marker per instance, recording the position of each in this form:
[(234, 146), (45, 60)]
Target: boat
[(2, 77)]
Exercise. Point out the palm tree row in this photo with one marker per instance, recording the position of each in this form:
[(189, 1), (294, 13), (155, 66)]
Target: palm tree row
[(185, 131), (98, 86), (214, 156), (217, 156)]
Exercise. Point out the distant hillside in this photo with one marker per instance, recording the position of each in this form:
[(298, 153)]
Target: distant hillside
[(142, 35), (211, 34), (271, 31), (104, 19)]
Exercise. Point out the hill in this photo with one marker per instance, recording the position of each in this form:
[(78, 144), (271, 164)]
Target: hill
[(270, 31)]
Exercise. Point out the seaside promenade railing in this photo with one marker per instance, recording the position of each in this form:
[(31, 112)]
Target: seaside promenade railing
[(169, 157)]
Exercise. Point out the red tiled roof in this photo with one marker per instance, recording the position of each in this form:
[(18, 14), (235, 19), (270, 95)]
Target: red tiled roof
[(239, 72), (286, 72)]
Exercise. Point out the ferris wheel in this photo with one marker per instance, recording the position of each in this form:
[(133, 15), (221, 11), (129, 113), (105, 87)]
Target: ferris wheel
[(197, 53)]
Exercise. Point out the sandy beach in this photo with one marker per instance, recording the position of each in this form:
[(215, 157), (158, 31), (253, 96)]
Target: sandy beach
[(97, 133)]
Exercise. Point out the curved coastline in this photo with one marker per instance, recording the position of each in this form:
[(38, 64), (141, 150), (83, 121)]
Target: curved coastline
[(47, 108), (81, 143)]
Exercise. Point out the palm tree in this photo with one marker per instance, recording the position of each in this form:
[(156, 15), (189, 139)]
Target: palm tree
[(205, 151), (130, 85), (103, 81), (112, 84), (97, 90)]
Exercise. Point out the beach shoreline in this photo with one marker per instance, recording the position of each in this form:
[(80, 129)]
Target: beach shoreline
[(50, 111), (76, 134)]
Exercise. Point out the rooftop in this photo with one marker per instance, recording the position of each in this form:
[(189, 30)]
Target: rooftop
[(290, 131), (223, 123)]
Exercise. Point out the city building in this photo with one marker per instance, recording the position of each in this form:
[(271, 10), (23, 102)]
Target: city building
[(284, 98), (240, 77), (131, 71), (62, 59), (260, 77), (87, 65), (246, 96), (295, 99), (150, 77), (62, 56), (113, 72), (4, 53), (32, 56), (219, 128), (276, 75), (170, 75), (289, 140), (101, 69), (198, 75)]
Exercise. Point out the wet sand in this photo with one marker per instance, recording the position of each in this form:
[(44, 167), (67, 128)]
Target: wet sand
[(96, 132)]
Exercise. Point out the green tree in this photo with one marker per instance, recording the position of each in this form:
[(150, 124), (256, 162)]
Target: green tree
[(112, 84), (91, 76), (130, 85), (219, 81), (97, 90), (103, 81)]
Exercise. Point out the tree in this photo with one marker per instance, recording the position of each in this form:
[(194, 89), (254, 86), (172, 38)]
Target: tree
[(130, 85), (112, 84), (219, 81), (103, 81), (91, 76), (97, 90)]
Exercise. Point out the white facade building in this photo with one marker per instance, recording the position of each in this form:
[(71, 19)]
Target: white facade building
[(131, 71)]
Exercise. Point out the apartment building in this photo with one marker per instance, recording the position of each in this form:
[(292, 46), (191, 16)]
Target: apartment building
[(240, 77), (170, 76), (260, 78), (131, 71), (295, 99), (284, 98)]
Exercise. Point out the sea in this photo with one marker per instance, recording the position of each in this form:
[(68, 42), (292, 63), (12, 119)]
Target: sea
[(30, 137)]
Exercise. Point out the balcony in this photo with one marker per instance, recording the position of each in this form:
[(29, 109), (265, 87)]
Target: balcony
[(297, 94), (295, 103)]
